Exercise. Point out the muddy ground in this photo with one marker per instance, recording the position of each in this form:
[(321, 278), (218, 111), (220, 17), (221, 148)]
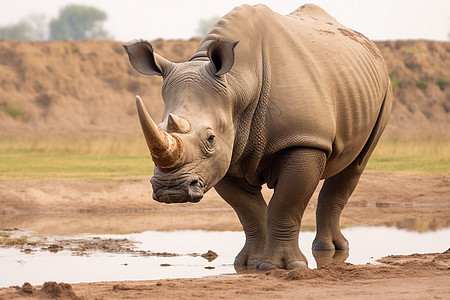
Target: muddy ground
[(71, 206), (419, 203), (424, 276)]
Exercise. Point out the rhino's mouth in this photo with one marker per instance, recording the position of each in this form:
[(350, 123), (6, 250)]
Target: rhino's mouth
[(179, 189)]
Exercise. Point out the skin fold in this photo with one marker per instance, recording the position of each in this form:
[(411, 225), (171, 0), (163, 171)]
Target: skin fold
[(285, 101)]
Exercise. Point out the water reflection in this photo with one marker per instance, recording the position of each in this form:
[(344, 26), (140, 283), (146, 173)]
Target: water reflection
[(324, 258), (367, 244), (420, 224)]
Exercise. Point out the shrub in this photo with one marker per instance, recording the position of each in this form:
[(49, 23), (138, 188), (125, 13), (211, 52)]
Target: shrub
[(421, 84), (443, 83), (394, 82), (410, 49), (14, 110)]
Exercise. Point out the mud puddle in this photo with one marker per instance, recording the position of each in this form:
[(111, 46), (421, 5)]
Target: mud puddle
[(26, 257)]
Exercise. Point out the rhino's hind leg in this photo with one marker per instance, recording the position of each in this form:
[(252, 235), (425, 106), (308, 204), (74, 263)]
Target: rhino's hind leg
[(251, 208), (332, 198), (337, 189), (299, 172)]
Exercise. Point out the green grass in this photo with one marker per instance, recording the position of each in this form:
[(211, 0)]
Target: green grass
[(417, 156), (122, 159), (31, 165)]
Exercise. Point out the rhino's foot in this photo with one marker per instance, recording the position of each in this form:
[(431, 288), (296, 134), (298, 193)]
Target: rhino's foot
[(339, 242), (249, 255), (297, 264), (283, 258), (242, 264)]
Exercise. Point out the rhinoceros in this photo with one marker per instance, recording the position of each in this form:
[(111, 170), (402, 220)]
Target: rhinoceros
[(268, 99)]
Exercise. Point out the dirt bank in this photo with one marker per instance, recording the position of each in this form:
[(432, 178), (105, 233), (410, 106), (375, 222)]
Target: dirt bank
[(88, 87)]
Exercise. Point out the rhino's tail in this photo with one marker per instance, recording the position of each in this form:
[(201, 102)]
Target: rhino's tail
[(378, 129)]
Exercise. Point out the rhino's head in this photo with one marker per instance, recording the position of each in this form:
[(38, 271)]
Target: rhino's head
[(192, 147)]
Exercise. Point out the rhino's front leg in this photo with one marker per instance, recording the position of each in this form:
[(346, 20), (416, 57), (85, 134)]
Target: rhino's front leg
[(299, 172), (251, 208)]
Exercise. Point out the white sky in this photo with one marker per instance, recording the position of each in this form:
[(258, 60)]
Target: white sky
[(151, 19)]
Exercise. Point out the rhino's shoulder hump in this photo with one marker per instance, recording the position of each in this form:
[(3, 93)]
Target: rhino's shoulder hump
[(312, 11), (246, 10)]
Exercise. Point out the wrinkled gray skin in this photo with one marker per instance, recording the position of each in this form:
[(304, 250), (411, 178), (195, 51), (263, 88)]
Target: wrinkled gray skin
[(282, 100)]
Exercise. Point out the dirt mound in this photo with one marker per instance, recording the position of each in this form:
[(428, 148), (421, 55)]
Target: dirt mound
[(89, 86), (393, 266), (76, 87), (50, 290)]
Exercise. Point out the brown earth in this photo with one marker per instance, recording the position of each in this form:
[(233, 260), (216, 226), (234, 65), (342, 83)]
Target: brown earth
[(71, 206), (89, 87)]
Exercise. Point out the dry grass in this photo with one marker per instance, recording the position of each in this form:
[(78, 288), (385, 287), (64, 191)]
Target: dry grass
[(84, 158), (17, 241), (82, 145), (109, 158)]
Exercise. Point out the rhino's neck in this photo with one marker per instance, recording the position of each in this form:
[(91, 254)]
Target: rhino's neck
[(248, 81), (251, 135)]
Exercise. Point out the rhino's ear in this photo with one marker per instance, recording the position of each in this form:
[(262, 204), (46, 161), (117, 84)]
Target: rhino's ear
[(145, 61), (221, 56)]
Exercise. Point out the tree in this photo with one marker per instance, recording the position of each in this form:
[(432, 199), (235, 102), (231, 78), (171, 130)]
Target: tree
[(204, 25), (20, 31), (77, 22), (32, 28)]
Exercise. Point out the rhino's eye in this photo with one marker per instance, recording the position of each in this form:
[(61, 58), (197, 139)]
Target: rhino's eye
[(209, 144)]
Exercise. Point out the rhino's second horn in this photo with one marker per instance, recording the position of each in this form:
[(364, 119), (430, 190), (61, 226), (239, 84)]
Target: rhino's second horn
[(178, 124), (167, 150)]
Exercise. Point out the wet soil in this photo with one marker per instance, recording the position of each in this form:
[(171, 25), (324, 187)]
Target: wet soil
[(423, 276), (81, 246)]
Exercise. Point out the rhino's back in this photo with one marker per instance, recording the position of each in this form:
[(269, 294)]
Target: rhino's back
[(327, 85)]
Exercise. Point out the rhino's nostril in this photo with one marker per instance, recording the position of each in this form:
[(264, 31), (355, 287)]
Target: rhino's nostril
[(195, 191)]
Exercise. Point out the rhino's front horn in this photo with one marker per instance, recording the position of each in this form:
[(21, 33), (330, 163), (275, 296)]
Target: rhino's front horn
[(167, 150)]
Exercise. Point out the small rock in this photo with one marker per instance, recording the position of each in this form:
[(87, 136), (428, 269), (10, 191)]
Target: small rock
[(27, 288), (210, 255)]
